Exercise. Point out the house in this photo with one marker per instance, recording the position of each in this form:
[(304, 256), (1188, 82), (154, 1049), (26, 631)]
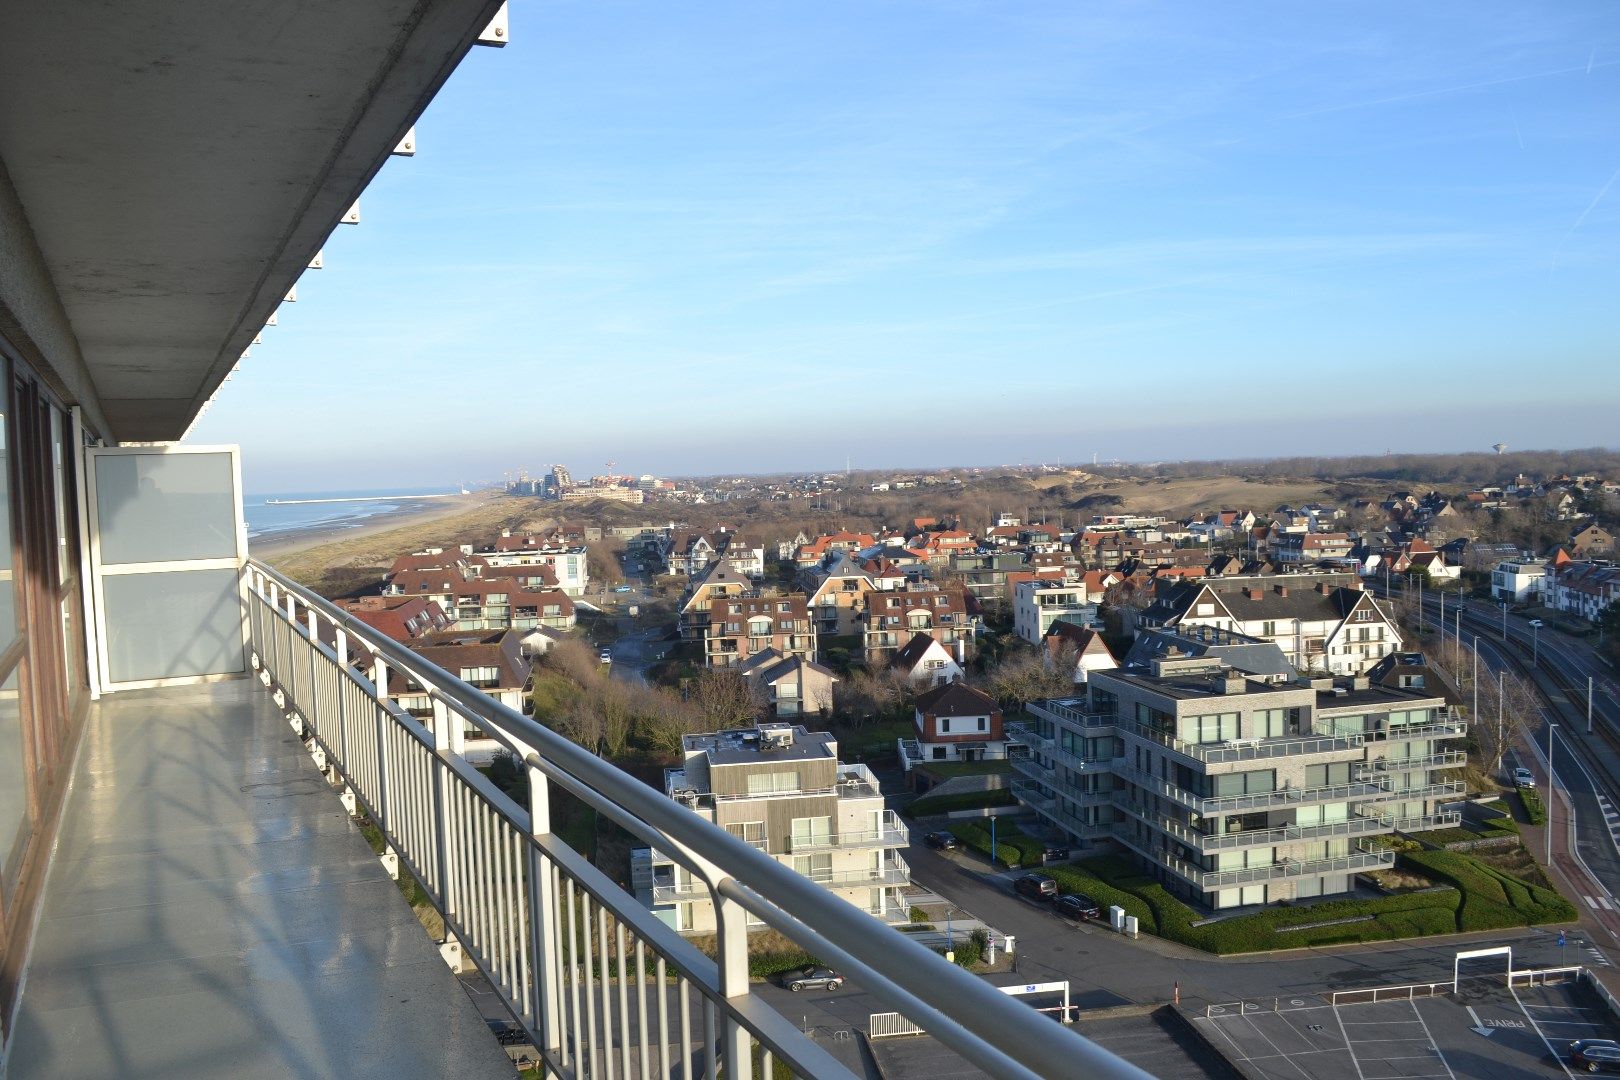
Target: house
[(955, 722), (400, 617), (807, 555), (1040, 603), (927, 662), (782, 789), (894, 617), (1518, 581), (936, 548), (837, 589), (789, 685), (1322, 622), (1090, 652), (491, 660), (485, 604), (1592, 541), (740, 626)]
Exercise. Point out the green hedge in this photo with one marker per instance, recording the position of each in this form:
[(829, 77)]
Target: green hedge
[(1013, 847), (1112, 879), (965, 800), (1533, 809), (1492, 899), (764, 965)]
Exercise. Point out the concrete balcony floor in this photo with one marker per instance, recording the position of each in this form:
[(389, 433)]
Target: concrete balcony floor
[(212, 912)]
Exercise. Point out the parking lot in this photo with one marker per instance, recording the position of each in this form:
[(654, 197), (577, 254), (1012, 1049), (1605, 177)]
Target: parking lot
[(1487, 1030)]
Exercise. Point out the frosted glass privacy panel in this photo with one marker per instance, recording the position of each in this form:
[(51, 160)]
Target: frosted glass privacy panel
[(165, 507), (172, 625)]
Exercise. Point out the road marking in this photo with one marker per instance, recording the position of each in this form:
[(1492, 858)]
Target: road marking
[(1591, 903), (1352, 1050), (1479, 1027), (1544, 1040), (1604, 901)]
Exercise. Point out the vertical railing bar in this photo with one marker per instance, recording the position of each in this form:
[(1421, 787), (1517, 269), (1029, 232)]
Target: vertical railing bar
[(624, 1007), (580, 1049), (686, 1031), (710, 1069), (641, 1005), (590, 983), (665, 1066), (602, 957)]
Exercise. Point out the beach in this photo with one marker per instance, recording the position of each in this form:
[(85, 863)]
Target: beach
[(343, 560)]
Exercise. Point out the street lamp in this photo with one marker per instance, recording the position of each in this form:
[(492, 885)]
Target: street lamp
[(1504, 622), (1552, 783), (1535, 642)]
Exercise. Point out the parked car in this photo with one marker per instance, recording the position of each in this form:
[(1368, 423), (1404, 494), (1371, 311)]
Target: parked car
[(1595, 1055), (1055, 853), (1077, 906), (606, 656), (623, 588), (944, 841), (813, 978), (1524, 777), (1035, 887)]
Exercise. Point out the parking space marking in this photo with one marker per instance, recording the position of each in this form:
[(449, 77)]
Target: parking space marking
[(1545, 1041)]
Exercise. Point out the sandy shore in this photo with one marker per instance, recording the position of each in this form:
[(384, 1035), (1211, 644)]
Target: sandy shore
[(278, 545)]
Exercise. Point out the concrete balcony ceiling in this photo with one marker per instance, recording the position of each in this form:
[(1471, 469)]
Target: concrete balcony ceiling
[(178, 163)]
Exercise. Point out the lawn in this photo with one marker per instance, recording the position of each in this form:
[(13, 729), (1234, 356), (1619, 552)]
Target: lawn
[(1479, 898), (966, 800), (948, 770)]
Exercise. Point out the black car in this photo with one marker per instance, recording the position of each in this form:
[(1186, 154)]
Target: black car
[(944, 841), (813, 978), (1595, 1055), (1036, 887), (1055, 853), (1077, 906)]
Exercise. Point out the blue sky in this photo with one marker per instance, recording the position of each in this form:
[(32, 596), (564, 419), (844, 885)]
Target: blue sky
[(756, 236)]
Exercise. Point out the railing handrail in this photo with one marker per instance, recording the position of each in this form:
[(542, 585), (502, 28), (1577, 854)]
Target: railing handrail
[(1001, 1035)]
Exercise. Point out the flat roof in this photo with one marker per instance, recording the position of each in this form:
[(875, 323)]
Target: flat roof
[(742, 746)]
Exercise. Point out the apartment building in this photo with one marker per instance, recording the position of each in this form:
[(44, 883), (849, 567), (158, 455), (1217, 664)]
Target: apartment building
[(491, 660), (1040, 603), (1235, 791), (566, 557), (399, 617), (480, 604), (893, 618), (719, 580), (740, 626), (789, 685), (1322, 622), (837, 589), (1296, 548), (782, 789), (1586, 589), (809, 554)]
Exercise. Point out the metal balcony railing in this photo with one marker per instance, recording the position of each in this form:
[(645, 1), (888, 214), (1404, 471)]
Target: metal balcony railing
[(589, 972), (890, 833), (1444, 759), (1442, 819), (1365, 858), (1231, 841), (1053, 709), (1243, 750), (1032, 795), (1259, 800)]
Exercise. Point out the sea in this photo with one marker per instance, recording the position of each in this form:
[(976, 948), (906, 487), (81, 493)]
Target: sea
[(288, 514)]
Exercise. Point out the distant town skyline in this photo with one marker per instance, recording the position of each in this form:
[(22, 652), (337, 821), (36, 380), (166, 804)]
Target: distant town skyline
[(701, 240)]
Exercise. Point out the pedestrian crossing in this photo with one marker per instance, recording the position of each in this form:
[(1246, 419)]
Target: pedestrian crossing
[(1611, 819), (1599, 902)]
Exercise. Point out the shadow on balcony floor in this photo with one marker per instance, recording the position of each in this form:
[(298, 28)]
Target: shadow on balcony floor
[(211, 912)]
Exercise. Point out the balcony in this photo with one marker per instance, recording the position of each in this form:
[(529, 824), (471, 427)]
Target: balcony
[(211, 907), (890, 833), (1449, 728), (1232, 841), (1028, 766), (1444, 759), (1033, 795), (1240, 751), (1366, 858), (1444, 819), (1260, 800), (1071, 711)]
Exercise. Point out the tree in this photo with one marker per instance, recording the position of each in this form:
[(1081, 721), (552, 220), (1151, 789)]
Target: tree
[(725, 698)]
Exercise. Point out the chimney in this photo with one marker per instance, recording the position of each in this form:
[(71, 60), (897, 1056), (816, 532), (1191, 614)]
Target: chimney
[(1361, 682), (1282, 590), (1254, 594), (1232, 683), (1323, 587)]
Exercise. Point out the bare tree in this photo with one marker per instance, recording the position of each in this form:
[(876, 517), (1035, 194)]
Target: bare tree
[(724, 698)]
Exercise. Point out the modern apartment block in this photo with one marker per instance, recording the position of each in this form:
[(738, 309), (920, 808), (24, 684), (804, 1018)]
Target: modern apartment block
[(1236, 791), (892, 619), (781, 789), (1040, 603)]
